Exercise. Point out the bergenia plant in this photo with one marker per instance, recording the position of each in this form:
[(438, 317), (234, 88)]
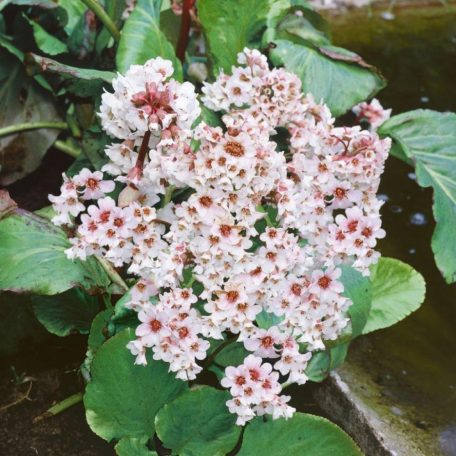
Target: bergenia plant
[(226, 221), (260, 232)]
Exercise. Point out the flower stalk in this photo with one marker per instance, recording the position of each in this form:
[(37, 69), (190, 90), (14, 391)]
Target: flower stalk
[(184, 30)]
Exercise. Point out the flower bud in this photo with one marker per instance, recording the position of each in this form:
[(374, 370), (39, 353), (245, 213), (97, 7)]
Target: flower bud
[(128, 195)]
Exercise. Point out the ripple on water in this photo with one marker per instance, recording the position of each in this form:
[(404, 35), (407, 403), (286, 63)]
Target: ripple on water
[(395, 209), (418, 219)]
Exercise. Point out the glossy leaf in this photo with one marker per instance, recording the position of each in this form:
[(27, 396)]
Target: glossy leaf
[(427, 139), (132, 446), (45, 41), (323, 362), (52, 66), (122, 398), (74, 10), (81, 81), (81, 42), (230, 26), (98, 330), (267, 319), (296, 23), (33, 259), (318, 367), (333, 75), (397, 291), (198, 423), (66, 313), (358, 288), (114, 9), (303, 435), (123, 317), (23, 100), (231, 355), (142, 38)]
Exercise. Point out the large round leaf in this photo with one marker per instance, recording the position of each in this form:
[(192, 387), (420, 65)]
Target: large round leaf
[(63, 314), (333, 75), (122, 398), (133, 446), (231, 25), (22, 100), (33, 259), (142, 38), (198, 423), (357, 288), (397, 291), (98, 330), (303, 435), (427, 139)]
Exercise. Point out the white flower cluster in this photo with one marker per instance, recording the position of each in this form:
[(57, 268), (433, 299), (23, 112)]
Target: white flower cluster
[(372, 113), (261, 232)]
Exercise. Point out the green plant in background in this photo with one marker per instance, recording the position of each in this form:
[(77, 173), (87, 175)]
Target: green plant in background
[(56, 59)]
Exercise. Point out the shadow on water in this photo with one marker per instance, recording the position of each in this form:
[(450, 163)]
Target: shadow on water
[(414, 362)]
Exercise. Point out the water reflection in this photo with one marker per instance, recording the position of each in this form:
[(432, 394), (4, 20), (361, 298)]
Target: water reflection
[(417, 54)]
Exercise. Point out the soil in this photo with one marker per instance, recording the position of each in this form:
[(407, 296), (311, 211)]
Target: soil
[(49, 372)]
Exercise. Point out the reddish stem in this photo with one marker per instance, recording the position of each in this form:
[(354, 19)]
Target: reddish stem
[(136, 172), (184, 30)]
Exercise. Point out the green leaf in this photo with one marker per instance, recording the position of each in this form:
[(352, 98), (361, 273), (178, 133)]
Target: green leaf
[(232, 355), (397, 291), (6, 44), (428, 139), (74, 9), (318, 367), (230, 26), (45, 41), (46, 212), (97, 337), (122, 398), (94, 142), (267, 319), (32, 258), (132, 446), (97, 334), (66, 313), (123, 317), (114, 9), (142, 39), (333, 75), (81, 81), (45, 4), (357, 288), (303, 435), (67, 71), (21, 101), (323, 362), (81, 42), (210, 117), (307, 25), (198, 423)]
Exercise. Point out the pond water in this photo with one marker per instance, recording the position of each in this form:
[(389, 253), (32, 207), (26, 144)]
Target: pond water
[(414, 363)]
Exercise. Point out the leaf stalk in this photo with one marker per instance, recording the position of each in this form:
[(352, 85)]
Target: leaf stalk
[(104, 18)]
